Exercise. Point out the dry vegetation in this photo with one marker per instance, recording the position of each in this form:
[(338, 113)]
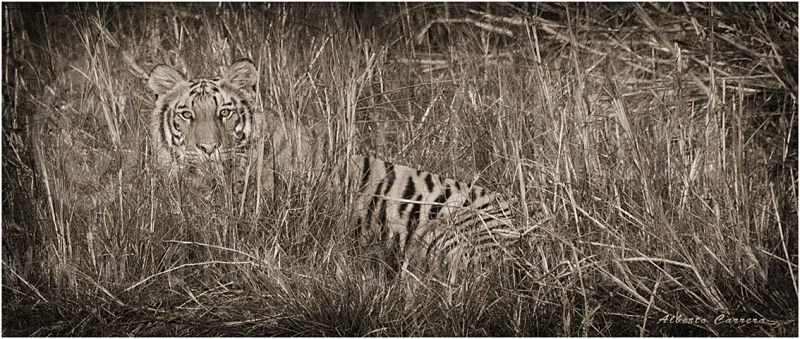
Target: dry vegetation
[(654, 146)]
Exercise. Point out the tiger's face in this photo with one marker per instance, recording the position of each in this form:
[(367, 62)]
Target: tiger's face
[(205, 124)]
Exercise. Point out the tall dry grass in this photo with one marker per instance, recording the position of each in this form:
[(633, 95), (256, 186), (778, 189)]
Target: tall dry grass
[(652, 147)]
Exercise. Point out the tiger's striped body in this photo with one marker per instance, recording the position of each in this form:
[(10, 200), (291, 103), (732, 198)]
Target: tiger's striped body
[(421, 218), (425, 219)]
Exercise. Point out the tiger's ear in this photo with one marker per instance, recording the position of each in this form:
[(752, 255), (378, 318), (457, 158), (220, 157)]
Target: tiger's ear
[(241, 74), (163, 79)]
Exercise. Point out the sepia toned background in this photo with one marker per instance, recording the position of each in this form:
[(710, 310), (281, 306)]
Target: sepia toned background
[(651, 147)]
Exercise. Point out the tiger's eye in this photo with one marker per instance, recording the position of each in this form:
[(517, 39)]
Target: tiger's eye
[(186, 115), (225, 112)]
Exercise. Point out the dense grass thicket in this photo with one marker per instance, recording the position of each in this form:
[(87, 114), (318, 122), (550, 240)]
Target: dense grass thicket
[(652, 148)]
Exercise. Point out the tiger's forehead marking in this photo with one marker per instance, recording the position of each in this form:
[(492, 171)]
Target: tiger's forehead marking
[(204, 93), (203, 86)]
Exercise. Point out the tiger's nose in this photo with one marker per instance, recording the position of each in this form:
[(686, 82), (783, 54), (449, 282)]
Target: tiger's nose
[(207, 148)]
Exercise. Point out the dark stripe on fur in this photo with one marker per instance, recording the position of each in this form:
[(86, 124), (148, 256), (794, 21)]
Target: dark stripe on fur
[(390, 176), (429, 182), (164, 112), (441, 199), (480, 217), (413, 220), (408, 193), (382, 216), (364, 175)]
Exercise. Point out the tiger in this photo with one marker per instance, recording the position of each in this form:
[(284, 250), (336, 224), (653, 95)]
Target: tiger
[(212, 125)]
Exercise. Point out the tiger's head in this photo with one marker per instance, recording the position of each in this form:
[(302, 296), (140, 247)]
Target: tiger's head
[(206, 123)]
